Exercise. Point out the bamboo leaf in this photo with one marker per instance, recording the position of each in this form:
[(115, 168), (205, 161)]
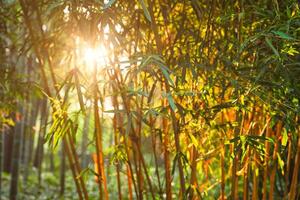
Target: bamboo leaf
[(79, 93), (166, 75), (146, 12), (269, 42), (94, 172), (194, 140), (174, 163), (284, 138), (280, 163), (151, 92), (171, 102), (283, 35), (82, 173)]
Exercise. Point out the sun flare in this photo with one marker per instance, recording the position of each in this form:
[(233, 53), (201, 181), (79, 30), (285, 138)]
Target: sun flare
[(95, 56)]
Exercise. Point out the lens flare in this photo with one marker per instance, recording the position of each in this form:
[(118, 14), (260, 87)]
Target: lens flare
[(95, 56)]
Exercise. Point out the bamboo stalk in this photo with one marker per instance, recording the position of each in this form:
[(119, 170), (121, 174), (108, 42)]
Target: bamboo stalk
[(116, 136), (129, 180), (167, 87), (1, 156), (71, 162), (129, 168), (42, 132), (138, 158), (247, 126), (246, 177), (137, 134), (234, 179), (132, 140), (222, 158), (130, 172), (168, 179), (62, 179), (255, 178), (98, 136), (39, 57), (35, 46), (137, 151), (288, 167), (274, 159), (255, 117), (77, 165), (193, 178), (15, 165), (85, 136), (146, 172), (294, 184), (154, 149), (266, 161), (137, 168), (222, 163)]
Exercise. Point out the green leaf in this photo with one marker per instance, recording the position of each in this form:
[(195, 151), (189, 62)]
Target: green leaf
[(146, 12), (171, 102), (283, 35), (166, 74), (280, 163), (269, 42)]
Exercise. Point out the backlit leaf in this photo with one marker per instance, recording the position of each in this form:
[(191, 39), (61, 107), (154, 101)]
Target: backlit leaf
[(146, 12)]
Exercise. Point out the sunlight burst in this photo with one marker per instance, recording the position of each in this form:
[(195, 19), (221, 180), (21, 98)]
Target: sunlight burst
[(95, 56)]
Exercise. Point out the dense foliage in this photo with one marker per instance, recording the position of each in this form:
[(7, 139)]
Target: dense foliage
[(170, 99)]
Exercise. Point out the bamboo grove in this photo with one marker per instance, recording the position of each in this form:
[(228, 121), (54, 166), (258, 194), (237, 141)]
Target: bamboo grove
[(183, 99)]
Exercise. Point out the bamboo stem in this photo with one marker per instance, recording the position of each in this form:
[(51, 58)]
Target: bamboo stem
[(266, 161), (234, 180), (274, 166), (154, 149), (168, 179), (116, 136), (294, 184), (77, 165), (67, 150), (98, 136)]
